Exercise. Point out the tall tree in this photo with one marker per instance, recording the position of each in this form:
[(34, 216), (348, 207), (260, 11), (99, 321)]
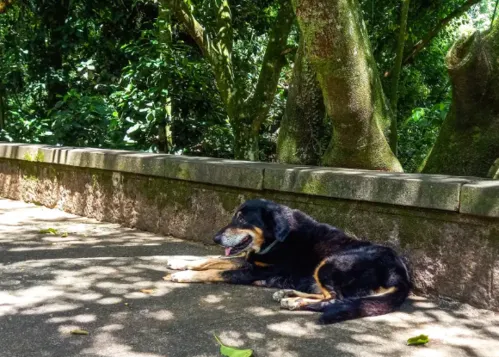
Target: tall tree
[(53, 18), (302, 134), (404, 12), (468, 142), (164, 28), (338, 47), (247, 108), (2, 108)]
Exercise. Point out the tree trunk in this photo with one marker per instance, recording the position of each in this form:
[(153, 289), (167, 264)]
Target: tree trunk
[(254, 111), (494, 171), (53, 19), (404, 12), (338, 47), (165, 39), (245, 141), (468, 142), (2, 111), (303, 134), (246, 109)]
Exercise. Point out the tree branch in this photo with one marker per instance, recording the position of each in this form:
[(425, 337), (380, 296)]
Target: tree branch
[(421, 44), (224, 37), (273, 61), (194, 28), (219, 53)]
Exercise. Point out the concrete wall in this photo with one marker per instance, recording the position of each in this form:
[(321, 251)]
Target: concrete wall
[(447, 226)]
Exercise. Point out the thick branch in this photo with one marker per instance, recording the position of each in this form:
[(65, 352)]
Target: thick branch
[(420, 45), (194, 28), (224, 37), (273, 61), (218, 56)]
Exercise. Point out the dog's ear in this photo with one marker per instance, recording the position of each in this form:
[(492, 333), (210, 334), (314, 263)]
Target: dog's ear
[(281, 227), (281, 223)]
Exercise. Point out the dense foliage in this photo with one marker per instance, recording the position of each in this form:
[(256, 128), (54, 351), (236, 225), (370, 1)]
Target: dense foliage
[(102, 73)]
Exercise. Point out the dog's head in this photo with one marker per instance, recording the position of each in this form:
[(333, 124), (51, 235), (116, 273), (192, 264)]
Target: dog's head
[(255, 225)]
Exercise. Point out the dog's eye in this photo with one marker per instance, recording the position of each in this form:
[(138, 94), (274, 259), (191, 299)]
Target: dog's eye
[(239, 217)]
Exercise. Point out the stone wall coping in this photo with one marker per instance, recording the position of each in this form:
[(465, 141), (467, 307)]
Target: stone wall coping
[(470, 195)]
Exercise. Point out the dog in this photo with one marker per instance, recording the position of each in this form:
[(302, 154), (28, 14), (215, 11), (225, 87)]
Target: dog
[(317, 267)]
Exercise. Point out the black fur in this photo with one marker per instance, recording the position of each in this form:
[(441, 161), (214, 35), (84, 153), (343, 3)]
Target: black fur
[(351, 271)]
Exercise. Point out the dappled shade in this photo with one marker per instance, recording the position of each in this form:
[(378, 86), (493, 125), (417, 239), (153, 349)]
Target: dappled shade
[(92, 279)]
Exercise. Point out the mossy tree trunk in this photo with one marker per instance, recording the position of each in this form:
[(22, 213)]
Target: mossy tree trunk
[(2, 108), (468, 142), (494, 171), (246, 108), (164, 26), (394, 90), (303, 132), (338, 47)]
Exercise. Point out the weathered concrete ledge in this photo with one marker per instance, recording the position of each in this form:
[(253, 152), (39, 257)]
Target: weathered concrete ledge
[(413, 190), (447, 226)]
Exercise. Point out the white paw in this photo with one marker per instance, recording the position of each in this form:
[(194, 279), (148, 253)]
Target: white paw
[(186, 276), (281, 294), (178, 264), (291, 303)]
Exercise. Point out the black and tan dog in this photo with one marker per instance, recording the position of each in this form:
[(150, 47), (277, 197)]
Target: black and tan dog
[(319, 267)]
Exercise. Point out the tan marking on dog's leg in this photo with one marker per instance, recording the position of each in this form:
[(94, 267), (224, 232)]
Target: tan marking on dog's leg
[(191, 276), (259, 283), (221, 264), (384, 291), (262, 264), (206, 264), (325, 292)]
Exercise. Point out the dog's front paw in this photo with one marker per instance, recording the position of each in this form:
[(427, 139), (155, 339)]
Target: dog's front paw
[(281, 294), (182, 264), (178, 264), (186, 276)]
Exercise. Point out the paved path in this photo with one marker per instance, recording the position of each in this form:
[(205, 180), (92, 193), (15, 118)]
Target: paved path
[(92, 279)]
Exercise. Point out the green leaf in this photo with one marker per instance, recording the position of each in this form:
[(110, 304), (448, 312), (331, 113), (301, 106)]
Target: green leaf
[(48, 231), (79, 332), (233, 352), (418, 340)]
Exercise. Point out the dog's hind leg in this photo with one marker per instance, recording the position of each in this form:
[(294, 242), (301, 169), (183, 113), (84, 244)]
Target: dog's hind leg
[(294, 299), (308, 304), (283, 294)]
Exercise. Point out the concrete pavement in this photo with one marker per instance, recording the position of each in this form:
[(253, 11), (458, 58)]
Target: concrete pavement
[(91, 278)]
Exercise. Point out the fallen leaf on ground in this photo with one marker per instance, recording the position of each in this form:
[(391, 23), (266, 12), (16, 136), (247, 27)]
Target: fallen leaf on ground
[(79, 332), (147, 291), (418, 340), (233, 352), (64, 234), (48, 231)]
